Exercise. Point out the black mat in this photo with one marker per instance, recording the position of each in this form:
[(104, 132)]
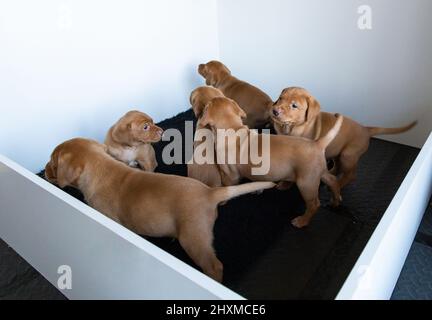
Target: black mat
[(265, 257)]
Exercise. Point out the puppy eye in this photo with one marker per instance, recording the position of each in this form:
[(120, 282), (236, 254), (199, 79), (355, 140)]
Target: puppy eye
[(294, 106), (146, 127)]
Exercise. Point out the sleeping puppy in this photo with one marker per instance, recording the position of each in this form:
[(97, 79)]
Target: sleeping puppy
[(297, 113), (206, 173), (290, 159), (129, 140), (147, 203), (252, 100)]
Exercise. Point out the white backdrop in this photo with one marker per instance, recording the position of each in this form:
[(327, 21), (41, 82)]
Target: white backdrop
[(381, 76), (71, 68)]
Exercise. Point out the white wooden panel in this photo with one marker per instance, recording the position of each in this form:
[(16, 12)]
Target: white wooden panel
[(49, 228)]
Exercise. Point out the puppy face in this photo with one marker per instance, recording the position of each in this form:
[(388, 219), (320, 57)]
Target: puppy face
[(213, 72), (223, 113), (68, 161), (136, 127), (201, 96), (295, 106)]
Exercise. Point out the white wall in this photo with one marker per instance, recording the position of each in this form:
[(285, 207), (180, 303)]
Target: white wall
[(71, 68), (381, 76)]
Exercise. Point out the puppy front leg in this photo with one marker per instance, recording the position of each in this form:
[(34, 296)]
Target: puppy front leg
[(148, 164), (147, 159), (309, 192)]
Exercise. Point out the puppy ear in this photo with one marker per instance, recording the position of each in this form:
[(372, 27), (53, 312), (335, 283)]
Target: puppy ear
[(197, 108), (120, 133), (49, 172), (283, 92), (206, 119), (239, 111), (313, 109), (211, 79), (67, 173), (227, 70)]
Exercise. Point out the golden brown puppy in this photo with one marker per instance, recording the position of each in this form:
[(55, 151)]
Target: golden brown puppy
[(151, 204), (129, 140), (291, 159), (206, 173), (252, 100), (297, 113), (201, 96)]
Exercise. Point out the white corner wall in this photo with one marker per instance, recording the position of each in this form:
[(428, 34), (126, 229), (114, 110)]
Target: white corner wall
[(381, 76), (71, 68)]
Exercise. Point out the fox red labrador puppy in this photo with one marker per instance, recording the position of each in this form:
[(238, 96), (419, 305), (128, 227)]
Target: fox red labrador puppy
[(152, 204), (252, 100), (130, 139), (289, 159), (297, 113)]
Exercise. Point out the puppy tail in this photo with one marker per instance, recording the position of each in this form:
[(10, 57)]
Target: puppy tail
[(373, 131), (221, 194), (328, 138)]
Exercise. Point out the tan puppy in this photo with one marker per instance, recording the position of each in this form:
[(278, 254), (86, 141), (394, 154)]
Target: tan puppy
[(151, 204), (201, 96), (206, 173), (297, 113), (252, 100), (129, 140), (291, 159)]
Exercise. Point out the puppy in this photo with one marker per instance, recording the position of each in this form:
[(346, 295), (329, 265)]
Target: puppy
[(129, 140), (147, 203), (291, 159), (297, 113), (252, 100), (206, 173)]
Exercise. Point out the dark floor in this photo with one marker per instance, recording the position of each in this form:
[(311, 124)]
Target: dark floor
[(264, 256), (415, 281), (18, 280)]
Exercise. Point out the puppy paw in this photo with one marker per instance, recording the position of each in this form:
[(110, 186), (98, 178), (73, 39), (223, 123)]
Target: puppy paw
[(133, 164), (300, 222), (335, 202)]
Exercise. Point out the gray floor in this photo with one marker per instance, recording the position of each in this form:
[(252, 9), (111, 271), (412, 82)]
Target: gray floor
[(415, 281), (18, 280)]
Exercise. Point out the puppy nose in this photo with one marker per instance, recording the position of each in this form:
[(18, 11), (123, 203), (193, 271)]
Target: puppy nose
[(276, 112)]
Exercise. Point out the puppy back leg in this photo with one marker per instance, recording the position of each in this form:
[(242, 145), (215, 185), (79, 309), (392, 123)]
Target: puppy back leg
[(348, 168), (197, 241), (331, 181)]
